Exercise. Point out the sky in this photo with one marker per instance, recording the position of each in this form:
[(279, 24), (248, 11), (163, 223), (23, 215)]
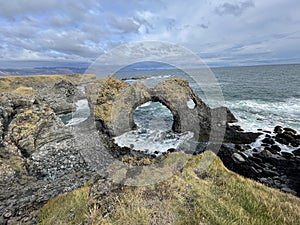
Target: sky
[(221, 33)]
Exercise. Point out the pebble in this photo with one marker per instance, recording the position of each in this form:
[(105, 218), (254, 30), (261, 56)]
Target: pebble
[(238, 158), (288, 190), (7, 215)]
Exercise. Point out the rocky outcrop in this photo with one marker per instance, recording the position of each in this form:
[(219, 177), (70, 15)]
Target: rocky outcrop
[(39, 157), (60, 92), (236, 136), (114, 101), (61, 96), (268, 163), (30, 124)]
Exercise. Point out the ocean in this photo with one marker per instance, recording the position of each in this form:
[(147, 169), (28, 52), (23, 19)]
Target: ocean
[(260, 97)]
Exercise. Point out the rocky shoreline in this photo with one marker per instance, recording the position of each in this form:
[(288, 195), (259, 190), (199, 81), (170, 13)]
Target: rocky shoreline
[(267, 162), (40, 157)]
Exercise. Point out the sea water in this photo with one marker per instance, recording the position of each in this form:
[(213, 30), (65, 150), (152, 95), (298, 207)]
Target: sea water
[(260, 97)]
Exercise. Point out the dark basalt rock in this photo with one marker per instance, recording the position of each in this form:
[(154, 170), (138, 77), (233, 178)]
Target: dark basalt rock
[(233, 136), (39, 158), (290, 131), (236, 127), (275, 148), (278, 129), (282, 141), (61, 97), (297, 152), (271, 166), (287, 155), (268, 140), (287, 138), (238, 158)]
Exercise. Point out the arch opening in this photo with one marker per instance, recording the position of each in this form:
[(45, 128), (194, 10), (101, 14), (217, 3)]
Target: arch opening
[(153, 115), (153, 132)]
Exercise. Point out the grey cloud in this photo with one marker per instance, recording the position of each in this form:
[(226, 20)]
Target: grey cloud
[(68, 42), (124, 25), (12, 8), (233, 9), (60, 20), (70, 29), (202, 26), (143, 22), (171, 24), (76, 10)]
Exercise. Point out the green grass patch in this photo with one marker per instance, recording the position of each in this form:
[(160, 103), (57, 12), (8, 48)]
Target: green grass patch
[(69, 208)]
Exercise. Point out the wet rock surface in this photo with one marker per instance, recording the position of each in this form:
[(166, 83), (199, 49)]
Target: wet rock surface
[(268, 163)]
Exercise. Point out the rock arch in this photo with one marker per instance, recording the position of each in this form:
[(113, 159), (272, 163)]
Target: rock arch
[(113, 102)]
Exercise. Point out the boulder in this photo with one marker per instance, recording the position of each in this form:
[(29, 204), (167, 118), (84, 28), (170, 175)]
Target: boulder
[(275, 148), (269, 141), (278, 129), (29, 123), (287, 155), (297, 152), (61, 97), (236, 137), (290, 130), (238, 158)]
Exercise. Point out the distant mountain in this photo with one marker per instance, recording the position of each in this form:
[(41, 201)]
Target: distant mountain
[(42, 70)]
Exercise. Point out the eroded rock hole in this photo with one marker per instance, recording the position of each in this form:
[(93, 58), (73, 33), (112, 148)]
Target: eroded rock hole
[(154, 130), (191, 103), (154, 116)]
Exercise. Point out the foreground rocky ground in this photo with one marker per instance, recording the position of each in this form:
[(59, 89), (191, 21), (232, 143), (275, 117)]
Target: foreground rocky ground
[(41, 158)]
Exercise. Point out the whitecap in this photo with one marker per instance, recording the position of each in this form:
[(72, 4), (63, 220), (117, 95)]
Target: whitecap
[(254, 114)]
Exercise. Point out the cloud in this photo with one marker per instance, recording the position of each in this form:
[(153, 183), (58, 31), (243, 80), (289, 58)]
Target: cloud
[(233, 9), (124, 25), (202, 26), (227, 32)]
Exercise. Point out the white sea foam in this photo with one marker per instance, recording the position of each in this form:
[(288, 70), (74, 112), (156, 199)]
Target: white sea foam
[(258, 145), (144, 105), (152, 140), (255, 114), (81, 114)]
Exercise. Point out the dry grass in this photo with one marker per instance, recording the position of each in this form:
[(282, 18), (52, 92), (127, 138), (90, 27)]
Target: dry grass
[(70, 208), (11, 83), (204, 192)]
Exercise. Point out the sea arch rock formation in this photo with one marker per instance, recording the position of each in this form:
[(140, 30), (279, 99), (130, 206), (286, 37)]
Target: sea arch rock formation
[(113, 102)]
